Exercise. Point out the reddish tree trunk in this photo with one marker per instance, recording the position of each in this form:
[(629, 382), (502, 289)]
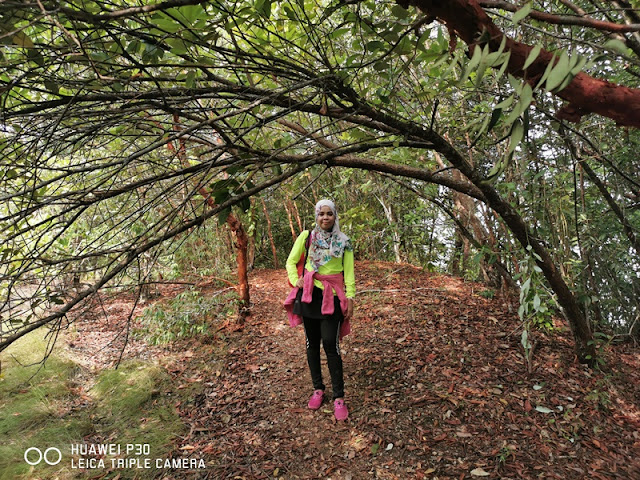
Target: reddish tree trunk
[(242, 246), (242, 239), (584, 94)]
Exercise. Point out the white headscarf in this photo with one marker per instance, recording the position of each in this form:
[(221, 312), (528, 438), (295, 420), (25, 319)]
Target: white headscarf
[(325, 245)]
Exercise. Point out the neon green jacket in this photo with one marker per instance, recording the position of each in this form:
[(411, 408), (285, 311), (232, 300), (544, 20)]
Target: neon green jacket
[(333, 266)]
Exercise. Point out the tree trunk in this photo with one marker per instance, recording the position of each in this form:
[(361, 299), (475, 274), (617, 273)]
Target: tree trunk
[(392, 224), (585, 348), (242, 245), (289, 216), (270, 234), (241, 237), (456, 263), (298, 220)]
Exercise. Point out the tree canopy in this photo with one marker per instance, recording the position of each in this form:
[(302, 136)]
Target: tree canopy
[(122, 125)]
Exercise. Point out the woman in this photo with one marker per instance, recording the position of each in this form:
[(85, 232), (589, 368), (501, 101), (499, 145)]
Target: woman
[(319, 300)]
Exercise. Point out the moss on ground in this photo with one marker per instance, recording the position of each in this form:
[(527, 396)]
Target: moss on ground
[(50, 405)]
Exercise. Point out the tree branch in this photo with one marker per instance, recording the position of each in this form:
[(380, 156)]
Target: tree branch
[(581, 21), (584, 94)]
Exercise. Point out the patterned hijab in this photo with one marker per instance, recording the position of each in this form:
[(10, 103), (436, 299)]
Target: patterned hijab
[(325, 245)]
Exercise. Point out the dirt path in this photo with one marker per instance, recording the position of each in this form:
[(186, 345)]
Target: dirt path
[(435, 385)]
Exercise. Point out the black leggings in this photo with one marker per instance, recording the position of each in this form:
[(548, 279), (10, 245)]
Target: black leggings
[(327, 330)]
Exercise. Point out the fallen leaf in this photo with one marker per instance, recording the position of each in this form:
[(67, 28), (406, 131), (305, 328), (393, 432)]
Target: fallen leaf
[(527, 406), (478, 472), (542, 409)]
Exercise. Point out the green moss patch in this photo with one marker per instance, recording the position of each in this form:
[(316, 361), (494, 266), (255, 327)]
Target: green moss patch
[(59, 404)]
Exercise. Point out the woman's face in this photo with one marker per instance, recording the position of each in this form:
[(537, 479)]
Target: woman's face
[(326, 218)]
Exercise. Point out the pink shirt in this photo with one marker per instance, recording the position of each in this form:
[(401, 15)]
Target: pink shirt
[(330, 283)]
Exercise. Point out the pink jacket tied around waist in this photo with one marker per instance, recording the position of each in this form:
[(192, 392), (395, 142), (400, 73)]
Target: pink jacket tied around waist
[(330, 283)]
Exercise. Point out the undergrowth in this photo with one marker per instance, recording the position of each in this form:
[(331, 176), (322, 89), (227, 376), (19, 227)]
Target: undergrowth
[(188, 315)]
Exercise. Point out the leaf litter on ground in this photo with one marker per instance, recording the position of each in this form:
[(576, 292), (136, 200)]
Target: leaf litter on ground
[(432, 369)]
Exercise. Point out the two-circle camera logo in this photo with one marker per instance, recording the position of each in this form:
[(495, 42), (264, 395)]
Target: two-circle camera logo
[(51, 456)]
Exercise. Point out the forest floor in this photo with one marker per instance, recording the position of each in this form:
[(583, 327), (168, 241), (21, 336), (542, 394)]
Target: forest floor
[(436, 384)]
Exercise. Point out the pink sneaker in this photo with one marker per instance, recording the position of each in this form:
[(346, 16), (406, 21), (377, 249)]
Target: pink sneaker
[(316, 399), (340, 409)]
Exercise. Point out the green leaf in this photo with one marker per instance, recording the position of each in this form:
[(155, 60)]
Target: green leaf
[(559, 72), (522, 13), (495, 116), (399, 11), (526, 96), (52, 86), (506, 103), (245, 204), (493, 58), (380, 66), (223, 215), (515, 83), (497, 170), (536, 302), (533, 54), (263, 7), (22, 40), (582, 61), (473, 63), (482, 67), (178, 46), (375, 45), (56, 300), (191, 79), (167, 24), (505, 63), (546, 71), (374, 448), (192, 13), (616, 45), (291, 15)]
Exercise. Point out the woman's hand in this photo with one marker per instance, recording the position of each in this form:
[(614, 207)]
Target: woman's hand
[(300, 282), (350, 307)]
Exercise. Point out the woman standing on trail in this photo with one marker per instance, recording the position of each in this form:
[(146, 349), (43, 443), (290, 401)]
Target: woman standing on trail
[(319, 300)]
